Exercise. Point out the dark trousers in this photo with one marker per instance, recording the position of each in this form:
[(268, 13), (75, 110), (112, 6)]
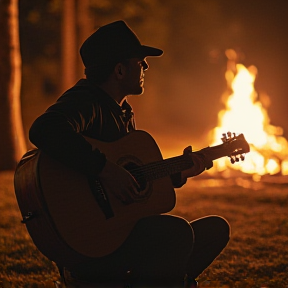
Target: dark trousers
[(161, 250)]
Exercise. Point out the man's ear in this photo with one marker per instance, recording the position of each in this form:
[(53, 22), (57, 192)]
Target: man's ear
[(120, 70)]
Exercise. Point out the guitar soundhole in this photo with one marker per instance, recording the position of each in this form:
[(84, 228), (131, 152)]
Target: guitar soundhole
[(134, 166)]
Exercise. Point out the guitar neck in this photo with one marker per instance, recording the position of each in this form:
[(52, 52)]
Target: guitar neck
[(214, 152), (167, 167), (143, 146), (163, 168)]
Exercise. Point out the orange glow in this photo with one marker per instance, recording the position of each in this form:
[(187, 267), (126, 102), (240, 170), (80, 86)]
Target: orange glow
[(245, 114)]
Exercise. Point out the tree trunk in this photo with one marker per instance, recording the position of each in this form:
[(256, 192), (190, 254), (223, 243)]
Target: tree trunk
[(69, 40), (85, 29), (12, 142)]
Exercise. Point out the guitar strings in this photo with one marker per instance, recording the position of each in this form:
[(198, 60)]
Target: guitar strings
[(158, 169)]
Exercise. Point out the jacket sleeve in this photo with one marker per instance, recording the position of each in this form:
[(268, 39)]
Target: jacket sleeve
[(57, 132), (177, 180)]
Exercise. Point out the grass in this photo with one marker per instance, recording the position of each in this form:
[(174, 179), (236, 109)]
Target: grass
[(21, 265), (257, 255)]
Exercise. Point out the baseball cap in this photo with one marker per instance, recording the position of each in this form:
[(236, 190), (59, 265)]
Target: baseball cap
[(112, 43)]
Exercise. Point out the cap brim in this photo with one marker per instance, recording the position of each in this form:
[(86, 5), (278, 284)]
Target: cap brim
[(150, 51)]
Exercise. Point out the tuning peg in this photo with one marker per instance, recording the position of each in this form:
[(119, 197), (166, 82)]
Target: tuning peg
[(224, 137), (232, 160), (229, 134), (242, 157)]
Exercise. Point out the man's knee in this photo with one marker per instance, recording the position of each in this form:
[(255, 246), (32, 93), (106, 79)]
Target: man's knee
[(176, 230), (213, 226), (222, 224), (222, 229)]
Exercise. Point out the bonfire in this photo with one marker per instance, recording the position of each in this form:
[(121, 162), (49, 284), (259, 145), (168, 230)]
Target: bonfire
[(245, 113)]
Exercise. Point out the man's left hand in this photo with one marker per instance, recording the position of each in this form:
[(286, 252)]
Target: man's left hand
[(200, 163)]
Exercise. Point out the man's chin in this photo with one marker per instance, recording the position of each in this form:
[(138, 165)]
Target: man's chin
[(139, 92)]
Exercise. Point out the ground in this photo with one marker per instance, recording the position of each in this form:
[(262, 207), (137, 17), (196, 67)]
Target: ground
[(255, 257)]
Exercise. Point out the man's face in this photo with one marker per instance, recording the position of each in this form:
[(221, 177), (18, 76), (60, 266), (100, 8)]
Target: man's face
[(134, 78)]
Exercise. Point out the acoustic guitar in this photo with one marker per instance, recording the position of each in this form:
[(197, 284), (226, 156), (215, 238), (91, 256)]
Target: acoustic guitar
[(65, 212)]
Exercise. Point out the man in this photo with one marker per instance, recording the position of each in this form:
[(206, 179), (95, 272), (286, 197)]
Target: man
[(161, 250)]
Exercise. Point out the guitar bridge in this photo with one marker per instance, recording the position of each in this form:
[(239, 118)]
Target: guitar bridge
[(101, 198)]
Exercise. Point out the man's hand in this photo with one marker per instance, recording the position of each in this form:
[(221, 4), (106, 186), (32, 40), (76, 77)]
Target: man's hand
[(200, 163), (119, 181)]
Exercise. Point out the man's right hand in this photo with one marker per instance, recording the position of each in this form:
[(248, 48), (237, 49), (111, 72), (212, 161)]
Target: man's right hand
[(119, 181)]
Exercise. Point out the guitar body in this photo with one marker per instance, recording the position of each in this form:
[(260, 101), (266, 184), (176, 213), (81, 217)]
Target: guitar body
[(61, 199), (70, 217)]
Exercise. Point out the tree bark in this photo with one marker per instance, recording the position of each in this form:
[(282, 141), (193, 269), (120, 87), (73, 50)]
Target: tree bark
[(69, 40), (12, 142), (85, 29)]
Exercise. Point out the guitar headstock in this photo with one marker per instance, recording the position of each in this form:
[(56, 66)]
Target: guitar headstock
[(235, 146)]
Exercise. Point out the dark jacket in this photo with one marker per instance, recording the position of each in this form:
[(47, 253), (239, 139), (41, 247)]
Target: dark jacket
[(82, 110)]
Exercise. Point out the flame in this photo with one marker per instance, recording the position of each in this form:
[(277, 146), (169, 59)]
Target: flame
[(245, 114)]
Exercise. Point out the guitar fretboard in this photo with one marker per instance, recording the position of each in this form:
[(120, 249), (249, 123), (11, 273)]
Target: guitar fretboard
[(163, 168)]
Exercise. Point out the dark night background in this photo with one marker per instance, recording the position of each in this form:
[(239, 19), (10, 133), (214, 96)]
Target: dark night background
[(183, 88)]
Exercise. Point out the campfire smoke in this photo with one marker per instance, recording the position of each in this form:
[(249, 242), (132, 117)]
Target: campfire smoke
[(245, 113)]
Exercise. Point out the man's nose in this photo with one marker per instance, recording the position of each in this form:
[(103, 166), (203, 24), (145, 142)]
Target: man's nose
[(145, 65)]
